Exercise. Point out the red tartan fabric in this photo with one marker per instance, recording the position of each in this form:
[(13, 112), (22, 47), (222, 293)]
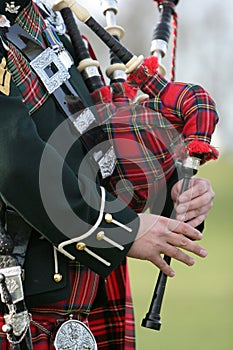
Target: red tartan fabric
[(33, 92), (112, 324), (149, 135), (117, 330)]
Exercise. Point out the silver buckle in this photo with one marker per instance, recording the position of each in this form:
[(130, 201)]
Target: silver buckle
[(19, 322), (14, 282), (44, 60), (74, 334)]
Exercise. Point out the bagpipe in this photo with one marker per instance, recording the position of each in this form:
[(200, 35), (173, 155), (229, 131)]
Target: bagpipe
[(151, 138)]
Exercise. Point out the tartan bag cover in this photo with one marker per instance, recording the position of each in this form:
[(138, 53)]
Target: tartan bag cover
[(149, 135)]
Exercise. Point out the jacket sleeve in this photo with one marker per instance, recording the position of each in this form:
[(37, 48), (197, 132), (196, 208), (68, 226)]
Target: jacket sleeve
[(76, 215)]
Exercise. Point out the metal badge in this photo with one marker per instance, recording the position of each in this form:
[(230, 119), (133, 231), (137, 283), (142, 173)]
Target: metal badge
[(107, 163), (48, 60), (19, 321), (14, 282), (84, 120), (74, 335), (12, 8)]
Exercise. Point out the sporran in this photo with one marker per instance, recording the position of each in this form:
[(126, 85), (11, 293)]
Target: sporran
[(74, 335)]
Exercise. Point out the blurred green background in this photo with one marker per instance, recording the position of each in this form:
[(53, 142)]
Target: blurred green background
[(197, 310)]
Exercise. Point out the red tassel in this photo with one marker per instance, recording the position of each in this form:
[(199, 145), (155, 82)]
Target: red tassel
[(151, 64), (202, 149)]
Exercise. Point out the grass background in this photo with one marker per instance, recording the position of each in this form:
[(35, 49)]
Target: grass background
[(197, 310)]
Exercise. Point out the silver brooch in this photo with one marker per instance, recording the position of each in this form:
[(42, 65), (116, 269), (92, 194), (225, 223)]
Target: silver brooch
[(12, 8), (74, 334), (4, 22)]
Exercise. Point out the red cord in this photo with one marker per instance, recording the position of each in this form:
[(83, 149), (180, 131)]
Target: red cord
[(174, 45)]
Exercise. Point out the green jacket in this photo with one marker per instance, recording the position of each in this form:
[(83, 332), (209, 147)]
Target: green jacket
[(47, 178)]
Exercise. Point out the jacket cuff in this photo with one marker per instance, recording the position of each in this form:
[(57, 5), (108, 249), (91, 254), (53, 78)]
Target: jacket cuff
[(103, 247)]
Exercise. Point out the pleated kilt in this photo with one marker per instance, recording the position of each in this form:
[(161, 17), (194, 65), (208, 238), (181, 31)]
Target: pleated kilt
[(112, 324)]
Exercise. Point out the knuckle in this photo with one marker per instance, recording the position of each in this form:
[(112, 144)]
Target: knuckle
[(185, 229), (195, 222), (207, 181), (163, 264), (211, 205), (201, 189), (176, 253), (202, 218), (183, 242), (197, 212)]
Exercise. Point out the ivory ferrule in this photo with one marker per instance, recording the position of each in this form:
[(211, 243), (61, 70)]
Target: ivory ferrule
[(116, 67), (133, 64), (115, 30), (88, 62), (81, 12)]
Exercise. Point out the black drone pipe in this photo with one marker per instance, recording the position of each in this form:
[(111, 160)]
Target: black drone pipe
[(86, 65), (159, 44), (131, 61)]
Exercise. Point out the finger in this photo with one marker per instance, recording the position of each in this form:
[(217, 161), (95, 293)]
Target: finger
[(184, 228), (192, 214), (197, 189), (180, 241), (197, 220), (179, 255), (195, 184), (163, 266), (204, 199)]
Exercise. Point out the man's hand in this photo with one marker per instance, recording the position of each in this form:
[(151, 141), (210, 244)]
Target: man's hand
[(159, 235), (193, 205)]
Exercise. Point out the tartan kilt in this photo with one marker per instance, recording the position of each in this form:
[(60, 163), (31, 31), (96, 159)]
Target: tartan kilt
[(111, 324), (116, 332)]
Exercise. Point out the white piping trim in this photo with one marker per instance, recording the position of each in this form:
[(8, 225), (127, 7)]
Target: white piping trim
[(101, 235), (55, 259), (109, 219), (105, 262), (89, 232)]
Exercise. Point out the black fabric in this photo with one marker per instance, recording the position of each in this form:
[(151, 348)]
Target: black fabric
[(39, 286), (20, 232), (22, 143)]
